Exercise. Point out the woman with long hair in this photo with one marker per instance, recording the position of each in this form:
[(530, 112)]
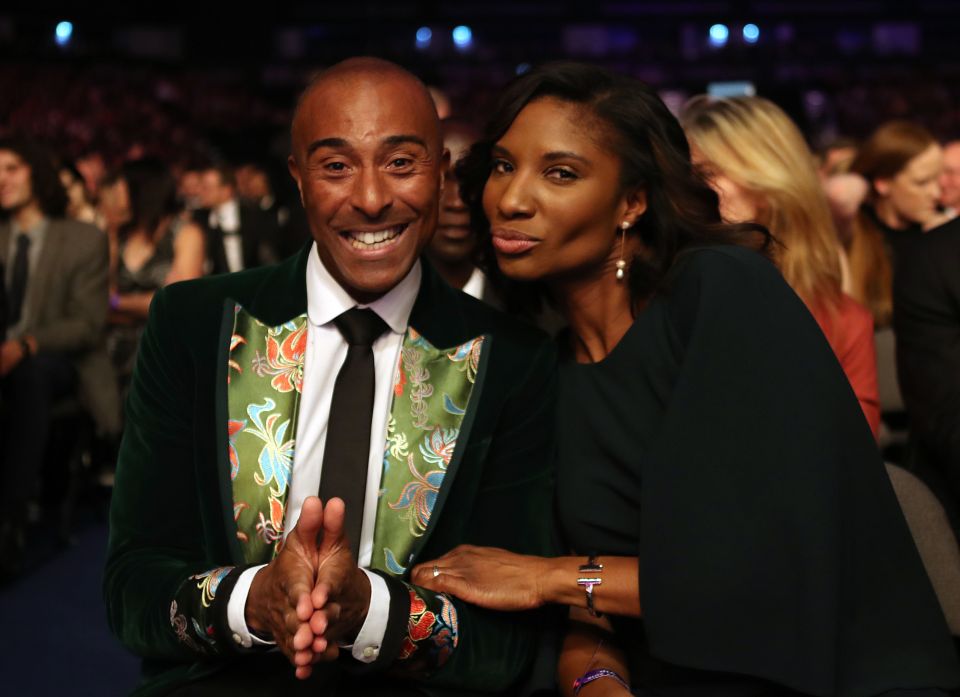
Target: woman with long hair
[(722, 498), (151, 246), (758, 162), (901, 162)]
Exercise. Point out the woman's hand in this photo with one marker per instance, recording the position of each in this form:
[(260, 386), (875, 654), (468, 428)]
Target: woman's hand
[(488, 577)]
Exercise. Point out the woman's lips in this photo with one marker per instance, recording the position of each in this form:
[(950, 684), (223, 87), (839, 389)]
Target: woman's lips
[(509, 241)]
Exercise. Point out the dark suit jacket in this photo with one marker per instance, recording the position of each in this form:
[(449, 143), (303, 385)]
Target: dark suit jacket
[(259, 235), (927, 326), (66, 307), (172, 512)]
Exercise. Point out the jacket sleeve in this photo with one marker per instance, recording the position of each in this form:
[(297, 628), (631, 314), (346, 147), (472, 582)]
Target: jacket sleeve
[(163, 597)]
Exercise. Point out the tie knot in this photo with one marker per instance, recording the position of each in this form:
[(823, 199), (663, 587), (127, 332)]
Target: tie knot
[(360, 327)]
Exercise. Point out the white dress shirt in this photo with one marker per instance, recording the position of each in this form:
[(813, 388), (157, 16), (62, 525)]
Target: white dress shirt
[(226, 217), (475, 284), (325, 354)]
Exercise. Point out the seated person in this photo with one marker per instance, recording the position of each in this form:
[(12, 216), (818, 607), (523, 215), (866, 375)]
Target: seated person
[(353, 372)]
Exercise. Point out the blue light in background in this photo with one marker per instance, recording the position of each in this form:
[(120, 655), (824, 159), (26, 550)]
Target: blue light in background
[(462, 36), (424, 36), (523, 68), (63, 33), (719, 33), (751, 33)]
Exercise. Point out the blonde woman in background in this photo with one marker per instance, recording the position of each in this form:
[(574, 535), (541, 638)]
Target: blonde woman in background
[(759, 164), (901, 163)]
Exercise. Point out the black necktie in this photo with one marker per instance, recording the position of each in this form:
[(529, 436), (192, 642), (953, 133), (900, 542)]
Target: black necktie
[(346, 452), (18, 280)]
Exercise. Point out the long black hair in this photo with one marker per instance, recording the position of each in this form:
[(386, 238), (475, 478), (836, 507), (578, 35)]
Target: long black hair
[(153, 195), (682, 210)]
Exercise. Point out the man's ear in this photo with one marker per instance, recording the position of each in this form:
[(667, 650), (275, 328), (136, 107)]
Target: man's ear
[(294, 170)]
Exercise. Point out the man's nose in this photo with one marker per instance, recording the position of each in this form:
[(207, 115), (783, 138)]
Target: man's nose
[(371, 193)]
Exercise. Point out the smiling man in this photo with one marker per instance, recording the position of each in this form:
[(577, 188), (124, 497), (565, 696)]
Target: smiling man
[(420, 417)]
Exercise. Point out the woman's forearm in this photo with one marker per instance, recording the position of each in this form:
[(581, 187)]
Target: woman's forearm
[(589, 645), (618, 593)]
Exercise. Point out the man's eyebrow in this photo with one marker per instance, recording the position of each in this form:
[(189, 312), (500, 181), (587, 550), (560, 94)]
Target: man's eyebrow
[(326, 143), (401, 139)]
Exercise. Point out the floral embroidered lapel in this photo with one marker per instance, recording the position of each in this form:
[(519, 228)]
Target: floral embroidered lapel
[(260, 377)]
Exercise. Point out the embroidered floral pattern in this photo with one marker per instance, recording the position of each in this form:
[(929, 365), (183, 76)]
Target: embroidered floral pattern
[(432, 630), (209, 581), (418, 497), (262, 412), (284, 357)]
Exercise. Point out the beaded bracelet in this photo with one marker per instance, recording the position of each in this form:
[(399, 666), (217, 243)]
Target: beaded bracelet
[(592, 675)]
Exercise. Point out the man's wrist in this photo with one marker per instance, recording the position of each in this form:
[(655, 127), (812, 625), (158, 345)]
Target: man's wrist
[(358, 605), (250, 614)]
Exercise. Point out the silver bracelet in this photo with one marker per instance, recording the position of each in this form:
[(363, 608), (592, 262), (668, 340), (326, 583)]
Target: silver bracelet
[(588, 579)]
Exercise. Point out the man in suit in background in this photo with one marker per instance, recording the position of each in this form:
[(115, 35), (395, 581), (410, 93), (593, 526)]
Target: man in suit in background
[(353, 371), (926, 319), (56, 289), (239, 235)]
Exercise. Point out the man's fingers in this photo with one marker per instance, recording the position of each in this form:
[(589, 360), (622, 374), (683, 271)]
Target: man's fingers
[(322, 620), (303, 672), (320, 595), (310, 523), (303, 637), (304, 607), (303, 658), (333, 517)]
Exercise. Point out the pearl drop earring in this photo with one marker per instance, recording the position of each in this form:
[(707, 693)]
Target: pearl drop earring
[(621, 262)]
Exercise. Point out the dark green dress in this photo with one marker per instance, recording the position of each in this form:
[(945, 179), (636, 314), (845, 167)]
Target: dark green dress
[(721, 443)]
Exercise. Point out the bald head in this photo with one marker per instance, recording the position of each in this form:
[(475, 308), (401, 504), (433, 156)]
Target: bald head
[(364, 73)]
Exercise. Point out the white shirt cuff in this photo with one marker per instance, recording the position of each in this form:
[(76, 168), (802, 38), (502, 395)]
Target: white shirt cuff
[(236, 611), (366, 647)]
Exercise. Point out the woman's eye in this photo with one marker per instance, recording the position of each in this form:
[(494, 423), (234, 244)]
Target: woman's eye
[(562, 174), (502, 166)]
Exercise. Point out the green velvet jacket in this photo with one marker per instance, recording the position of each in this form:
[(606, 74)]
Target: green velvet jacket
[(175, 546)]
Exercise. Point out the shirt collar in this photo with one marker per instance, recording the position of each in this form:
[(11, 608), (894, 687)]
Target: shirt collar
[(34, 232), (327, 299)]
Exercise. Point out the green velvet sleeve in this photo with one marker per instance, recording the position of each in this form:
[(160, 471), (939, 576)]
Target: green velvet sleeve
[(772, 543), (160, 590)]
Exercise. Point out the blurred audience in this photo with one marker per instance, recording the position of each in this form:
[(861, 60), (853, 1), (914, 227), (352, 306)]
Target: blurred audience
[(836, 157), (453, 248), (56, 289), (239, 235), (79, 205), (901, 162), (758, 162), (950, 178), (152, 246), (927, 327)]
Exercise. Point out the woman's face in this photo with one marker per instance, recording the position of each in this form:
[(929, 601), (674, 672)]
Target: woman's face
[(911, 195), (553, 197), (737, 205)]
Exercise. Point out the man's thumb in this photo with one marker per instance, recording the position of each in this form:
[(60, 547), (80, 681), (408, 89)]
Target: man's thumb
[(310, 523)]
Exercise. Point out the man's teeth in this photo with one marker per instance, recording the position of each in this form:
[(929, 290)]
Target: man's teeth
[(375, 239)]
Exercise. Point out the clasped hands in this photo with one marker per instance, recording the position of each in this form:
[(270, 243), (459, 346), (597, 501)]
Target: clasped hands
[(313, 593)]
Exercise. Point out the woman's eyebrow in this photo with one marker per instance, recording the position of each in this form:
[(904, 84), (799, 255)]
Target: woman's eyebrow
[(565, 155)]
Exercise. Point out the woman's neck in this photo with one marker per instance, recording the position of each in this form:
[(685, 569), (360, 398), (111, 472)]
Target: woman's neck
[(599, 311), (888, 215)]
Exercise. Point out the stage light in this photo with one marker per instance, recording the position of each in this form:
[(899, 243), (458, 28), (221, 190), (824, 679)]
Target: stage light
[(751, 33), (462, 36), (719, 33), (424, 35), (523, 68), (63, 33)]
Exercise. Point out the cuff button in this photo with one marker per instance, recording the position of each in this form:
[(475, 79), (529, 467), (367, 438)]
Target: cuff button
[(371, 651), (237, 640)]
